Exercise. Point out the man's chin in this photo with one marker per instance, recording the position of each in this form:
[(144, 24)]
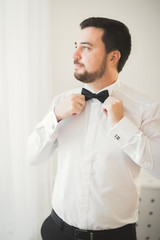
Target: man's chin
[(83, 78), (79, 77)]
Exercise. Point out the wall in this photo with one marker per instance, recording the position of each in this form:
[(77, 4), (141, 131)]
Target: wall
[(143, 19)]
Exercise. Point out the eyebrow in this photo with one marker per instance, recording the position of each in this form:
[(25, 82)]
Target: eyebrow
[(82, 43)]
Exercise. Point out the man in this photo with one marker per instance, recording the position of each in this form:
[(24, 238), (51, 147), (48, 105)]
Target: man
[(105, 133)]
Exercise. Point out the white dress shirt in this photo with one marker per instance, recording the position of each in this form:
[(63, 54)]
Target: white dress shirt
[(97, 182)]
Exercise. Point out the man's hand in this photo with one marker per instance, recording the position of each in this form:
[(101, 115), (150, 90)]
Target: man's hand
[(113, 108), (72, 105)]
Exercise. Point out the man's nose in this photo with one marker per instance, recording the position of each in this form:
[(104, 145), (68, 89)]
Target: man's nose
[(77, 54)]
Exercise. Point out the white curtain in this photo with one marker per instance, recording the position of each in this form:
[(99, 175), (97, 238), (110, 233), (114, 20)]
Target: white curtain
[(25, 94)]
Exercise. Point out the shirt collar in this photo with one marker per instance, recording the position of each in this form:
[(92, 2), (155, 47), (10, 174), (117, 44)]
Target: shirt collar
[(110, 88)]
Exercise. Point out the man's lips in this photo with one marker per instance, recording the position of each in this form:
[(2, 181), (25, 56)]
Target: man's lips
[(78, 65)]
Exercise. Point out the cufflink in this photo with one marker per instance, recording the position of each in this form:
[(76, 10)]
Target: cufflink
[(117, 137)]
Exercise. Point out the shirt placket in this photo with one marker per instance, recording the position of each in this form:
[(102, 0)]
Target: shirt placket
[(89, 157)]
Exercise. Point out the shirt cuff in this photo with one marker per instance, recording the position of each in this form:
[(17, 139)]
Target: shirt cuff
[(50, 123), (123, 131)]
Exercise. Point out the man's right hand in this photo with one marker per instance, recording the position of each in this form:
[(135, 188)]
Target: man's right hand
[(72, 105)]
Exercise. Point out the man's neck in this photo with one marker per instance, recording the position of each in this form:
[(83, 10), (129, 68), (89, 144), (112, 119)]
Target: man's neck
[(99, 84)]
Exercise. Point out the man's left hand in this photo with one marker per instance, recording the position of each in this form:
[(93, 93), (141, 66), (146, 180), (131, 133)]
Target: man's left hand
[(113, 108)]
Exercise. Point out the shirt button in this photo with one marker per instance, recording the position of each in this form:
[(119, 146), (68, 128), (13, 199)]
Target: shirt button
[(53, 126)]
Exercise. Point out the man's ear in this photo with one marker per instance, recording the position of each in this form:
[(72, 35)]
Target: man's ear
[(114, 57)]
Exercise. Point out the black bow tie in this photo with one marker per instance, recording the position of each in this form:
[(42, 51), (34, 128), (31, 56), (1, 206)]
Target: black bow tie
[(100, 96)]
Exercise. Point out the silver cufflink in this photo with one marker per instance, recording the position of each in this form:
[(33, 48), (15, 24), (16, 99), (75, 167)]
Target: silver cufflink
[(117, 137)]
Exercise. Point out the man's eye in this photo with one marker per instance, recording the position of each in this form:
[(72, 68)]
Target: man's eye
[(86, 48)]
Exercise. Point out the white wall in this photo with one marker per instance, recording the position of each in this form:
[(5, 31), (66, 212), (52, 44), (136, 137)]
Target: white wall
[(143, 19)]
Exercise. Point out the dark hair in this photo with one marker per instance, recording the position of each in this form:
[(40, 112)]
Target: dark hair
[(116, 36)]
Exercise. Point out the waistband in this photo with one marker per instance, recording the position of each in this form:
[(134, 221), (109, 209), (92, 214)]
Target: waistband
[(89, 234)]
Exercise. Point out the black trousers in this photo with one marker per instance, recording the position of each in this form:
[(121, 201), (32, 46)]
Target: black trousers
[(50, 231)]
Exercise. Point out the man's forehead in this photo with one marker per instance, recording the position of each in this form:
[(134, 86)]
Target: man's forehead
[(90, 35)]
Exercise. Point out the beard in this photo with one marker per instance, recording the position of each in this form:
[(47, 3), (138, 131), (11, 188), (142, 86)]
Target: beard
[(88, 77)]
